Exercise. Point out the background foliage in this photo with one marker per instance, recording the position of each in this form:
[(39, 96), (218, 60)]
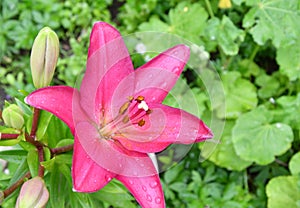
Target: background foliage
[(255, 47)]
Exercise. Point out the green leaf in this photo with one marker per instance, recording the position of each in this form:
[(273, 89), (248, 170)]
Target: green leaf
[(223, 154), (44, 120), (273, 20), (257, 139), (294, 164), (33, 162), (227, 35), (288, 110), (288, 58), (283, 191), (269, 85), (240, 94)]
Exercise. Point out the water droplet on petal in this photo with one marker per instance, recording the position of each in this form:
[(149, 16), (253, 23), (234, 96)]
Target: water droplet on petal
[(108, 178), (176, 69), (130, 182), (150, 76), (153, 184), (149, 198), (164, 85), (157, 200), (144, 188)]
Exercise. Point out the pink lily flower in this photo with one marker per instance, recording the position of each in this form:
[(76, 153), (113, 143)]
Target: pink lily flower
[(117, 116)]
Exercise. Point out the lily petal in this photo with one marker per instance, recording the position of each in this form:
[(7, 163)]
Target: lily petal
[(107, 65), (167, 125), (146, 190), (87, 175), (158, 76), (58, 100), (114, 157)]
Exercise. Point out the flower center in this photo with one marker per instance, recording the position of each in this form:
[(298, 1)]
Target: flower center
[(132, 112)]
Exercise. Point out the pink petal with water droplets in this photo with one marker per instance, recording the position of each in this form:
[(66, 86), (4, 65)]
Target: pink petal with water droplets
[(87, 175), (58, 100), (107, 65), (111, 155), (146, 190), (157, 77), (167, 125)]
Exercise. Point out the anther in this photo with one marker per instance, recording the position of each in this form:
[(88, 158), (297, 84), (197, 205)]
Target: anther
[(148, 111), (130, 98), (141, 122), (139, 99), (125, 119), (124, 108)]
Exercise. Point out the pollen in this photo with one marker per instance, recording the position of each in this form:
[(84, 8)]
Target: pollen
[(139, 99), (141, 122), (143, 105), (124, 108)]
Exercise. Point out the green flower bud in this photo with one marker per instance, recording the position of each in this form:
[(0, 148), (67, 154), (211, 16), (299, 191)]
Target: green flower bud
[(13, 116), (44, 55), (33, 194)]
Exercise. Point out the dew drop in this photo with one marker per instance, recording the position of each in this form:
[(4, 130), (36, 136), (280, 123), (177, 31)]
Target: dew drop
[(130, 182), (149, 198), (108, 178), (153, 184), (157, 200), (144, 188), (142, 164), (164, 84), (150, 76), (176, 69)]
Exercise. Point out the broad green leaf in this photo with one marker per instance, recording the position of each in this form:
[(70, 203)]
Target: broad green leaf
[(14, 155), (269, 85), (272, 20), (186, 20), (21, 170), (33, 162), (283, 191), (294, 164), (288, 110), (65, 142), (240, 94), (288, 58), (257, 139), (223, 154), (57, 188), (226, 34)]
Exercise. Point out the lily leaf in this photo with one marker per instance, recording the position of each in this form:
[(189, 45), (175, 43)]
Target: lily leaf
[(257, 139)]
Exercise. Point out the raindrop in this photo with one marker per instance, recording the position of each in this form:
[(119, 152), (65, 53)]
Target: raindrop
[(150, 76), (144, 188), (149, 198), (212, 37), (278, 125), (153, 184), (130, 182), (176, 69), (164, 84), (108, 178), (142, 164), (157, 200)]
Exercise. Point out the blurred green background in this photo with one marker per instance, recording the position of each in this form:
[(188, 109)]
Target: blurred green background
[(253, 45)]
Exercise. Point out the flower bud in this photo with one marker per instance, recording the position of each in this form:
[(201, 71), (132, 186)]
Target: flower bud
[(33, 194), (44, 55), (13, 116)]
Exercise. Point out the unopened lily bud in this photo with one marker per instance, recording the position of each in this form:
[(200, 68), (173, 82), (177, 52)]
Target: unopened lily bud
[(13, 116), (33, 194), (44, 55)]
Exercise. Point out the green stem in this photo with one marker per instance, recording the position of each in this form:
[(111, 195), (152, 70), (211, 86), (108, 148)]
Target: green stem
[(16, 185), (209, 9), (254, 52), (246, 181)]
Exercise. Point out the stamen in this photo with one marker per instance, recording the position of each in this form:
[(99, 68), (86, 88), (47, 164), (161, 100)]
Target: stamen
[(125, 119), (143, 105), (139, 99), (130, 98), (141, 122), (124, 108)]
